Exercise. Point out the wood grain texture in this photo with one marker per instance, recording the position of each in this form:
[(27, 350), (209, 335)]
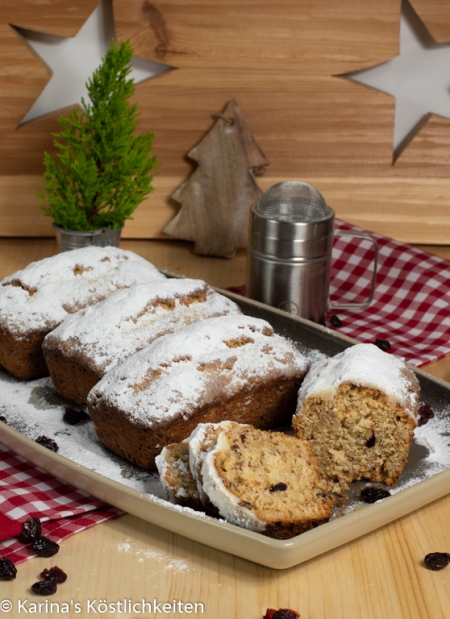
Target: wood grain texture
[(436, 16), (281, 61), (421, 205), (378, 576)]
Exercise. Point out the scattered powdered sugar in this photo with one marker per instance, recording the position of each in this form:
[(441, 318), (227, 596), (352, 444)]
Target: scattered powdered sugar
[(34, 408), (163, 560)]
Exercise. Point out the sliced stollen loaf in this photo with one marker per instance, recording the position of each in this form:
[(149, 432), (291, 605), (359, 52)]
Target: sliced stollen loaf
[(177, 481), (179, 467), (37, 299), (94, 340), (358, 412), (265, 481), (200, 443), (230, 367)]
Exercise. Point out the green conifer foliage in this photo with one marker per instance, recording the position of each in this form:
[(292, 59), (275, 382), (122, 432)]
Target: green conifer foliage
[(103, 169)]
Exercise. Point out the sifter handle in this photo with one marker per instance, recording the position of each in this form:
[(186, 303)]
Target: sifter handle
[(368, 301)]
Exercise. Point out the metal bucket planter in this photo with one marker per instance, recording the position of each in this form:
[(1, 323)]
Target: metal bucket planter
[(103, 237)]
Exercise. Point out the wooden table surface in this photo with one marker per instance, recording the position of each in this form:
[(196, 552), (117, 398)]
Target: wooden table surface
[(378, 576)]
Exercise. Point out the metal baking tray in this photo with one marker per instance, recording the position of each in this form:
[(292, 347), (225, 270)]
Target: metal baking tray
[(425, 478)]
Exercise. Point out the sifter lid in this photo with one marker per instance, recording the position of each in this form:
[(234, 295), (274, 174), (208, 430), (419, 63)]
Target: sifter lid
[(291, 220), (293, 202)]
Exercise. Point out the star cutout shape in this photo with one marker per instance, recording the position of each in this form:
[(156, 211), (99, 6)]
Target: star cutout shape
[(72, 60), (418, 78)]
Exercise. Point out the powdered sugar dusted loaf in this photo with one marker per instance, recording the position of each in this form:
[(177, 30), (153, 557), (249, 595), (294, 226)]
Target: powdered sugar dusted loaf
[(358, 410), (231, 367), (94, 340), (37, 299), (266, 482)]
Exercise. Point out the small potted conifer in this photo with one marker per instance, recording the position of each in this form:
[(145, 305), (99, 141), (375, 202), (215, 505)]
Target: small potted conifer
[(102, 169)]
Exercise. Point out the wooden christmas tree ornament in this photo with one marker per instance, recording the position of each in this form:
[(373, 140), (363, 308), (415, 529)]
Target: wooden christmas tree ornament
[(216, 199)]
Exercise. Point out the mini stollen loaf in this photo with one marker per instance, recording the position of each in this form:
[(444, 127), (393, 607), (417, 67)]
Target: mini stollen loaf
[(358, 412), (267, 482), (35, 300), (200, 443), (94, 340), (230, 367), (177, 481), (179, 466)]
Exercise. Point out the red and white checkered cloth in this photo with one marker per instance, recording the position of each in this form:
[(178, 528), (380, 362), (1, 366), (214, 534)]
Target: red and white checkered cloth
[(28, 492), (411, 307)]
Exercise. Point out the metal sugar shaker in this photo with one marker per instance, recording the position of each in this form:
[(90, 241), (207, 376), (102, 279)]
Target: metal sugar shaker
[(289, 253)]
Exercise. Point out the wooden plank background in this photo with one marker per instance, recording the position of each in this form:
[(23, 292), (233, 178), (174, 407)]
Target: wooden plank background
[(281, 61)]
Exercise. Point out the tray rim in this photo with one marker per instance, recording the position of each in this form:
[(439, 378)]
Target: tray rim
[(276, 554)]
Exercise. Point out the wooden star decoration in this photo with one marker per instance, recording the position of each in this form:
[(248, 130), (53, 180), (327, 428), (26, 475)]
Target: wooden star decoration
[(72, 60), (418, 78)]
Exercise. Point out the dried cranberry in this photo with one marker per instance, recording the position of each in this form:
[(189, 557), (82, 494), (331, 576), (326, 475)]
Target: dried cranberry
[(280, 487), (382, 344), (44, 547), (55, 574), (335, 321), (74, 417), (44, 587), (242, 290), (31, 530), (425, 414), (47, 442), (437, 560), (8, 570), (2, 418), (282, 613), (370, 494), (371, 441)]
